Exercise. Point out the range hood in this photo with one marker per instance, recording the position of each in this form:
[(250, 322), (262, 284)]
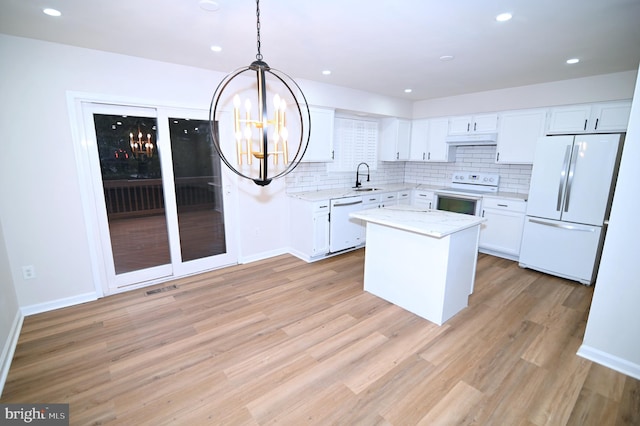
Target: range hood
[(475, 139)]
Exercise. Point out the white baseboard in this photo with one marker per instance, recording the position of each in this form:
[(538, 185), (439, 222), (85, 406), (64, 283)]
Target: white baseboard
[(57, 304), (611, 361), (499, 254), (9, 348), (262, 256)]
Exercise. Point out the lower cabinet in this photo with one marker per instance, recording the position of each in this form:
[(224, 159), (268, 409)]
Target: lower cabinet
[(309, 222), (501, 234), (388, 199), (422, 199), (404, 197), (377, 200), (371, 201)]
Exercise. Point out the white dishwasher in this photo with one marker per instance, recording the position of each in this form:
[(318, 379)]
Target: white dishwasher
[(344, 231)]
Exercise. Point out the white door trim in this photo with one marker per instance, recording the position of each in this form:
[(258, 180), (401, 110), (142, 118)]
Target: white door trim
[(75, 101)]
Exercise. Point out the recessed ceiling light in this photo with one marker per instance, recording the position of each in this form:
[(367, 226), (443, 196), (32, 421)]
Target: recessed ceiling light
[(408, 90), (216, 48), (445, 58), (504, 17), (573, 61), (209, 5), (326, 72), (52, 12)]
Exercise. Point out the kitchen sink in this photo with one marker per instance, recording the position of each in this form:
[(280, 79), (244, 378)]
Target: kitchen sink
[(366, 189)]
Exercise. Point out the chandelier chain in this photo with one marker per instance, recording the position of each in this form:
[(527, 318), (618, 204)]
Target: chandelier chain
[(258, 55)]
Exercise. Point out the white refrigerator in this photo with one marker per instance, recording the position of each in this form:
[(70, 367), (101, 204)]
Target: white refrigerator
[(568, 205)]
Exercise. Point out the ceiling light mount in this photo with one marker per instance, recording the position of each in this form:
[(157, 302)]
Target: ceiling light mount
[(259, 132), (209, 5), (52, 12)]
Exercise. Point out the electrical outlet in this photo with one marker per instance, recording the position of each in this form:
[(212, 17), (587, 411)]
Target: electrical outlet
[(28, 272)]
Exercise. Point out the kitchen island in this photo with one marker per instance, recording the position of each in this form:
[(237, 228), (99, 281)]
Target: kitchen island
[(421, 260)]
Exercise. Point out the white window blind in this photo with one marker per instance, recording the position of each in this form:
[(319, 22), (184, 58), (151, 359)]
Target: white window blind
[(354, 141)]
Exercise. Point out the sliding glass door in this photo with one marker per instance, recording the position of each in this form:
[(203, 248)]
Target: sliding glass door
[(198, 189), (157, 187)]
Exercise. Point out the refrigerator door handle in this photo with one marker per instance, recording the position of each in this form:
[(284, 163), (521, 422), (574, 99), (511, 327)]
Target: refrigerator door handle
[(565, 165), (562, 225), (572, 170)]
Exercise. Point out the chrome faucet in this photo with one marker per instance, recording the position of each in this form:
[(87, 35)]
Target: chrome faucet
[(358, 184)]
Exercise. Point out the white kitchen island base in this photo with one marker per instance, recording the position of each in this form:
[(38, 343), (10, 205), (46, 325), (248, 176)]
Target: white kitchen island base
[(430, 276)]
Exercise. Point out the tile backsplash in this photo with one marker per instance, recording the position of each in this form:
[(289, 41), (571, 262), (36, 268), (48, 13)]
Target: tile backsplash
[(513, 177)]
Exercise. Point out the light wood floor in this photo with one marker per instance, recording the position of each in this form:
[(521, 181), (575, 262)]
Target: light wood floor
[(282, 341)]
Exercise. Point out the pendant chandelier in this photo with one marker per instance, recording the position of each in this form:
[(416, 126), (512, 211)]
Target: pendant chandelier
[(260, 120)]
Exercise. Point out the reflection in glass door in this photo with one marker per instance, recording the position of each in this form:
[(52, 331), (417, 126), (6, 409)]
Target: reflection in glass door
[(133, 191), (198, 189)]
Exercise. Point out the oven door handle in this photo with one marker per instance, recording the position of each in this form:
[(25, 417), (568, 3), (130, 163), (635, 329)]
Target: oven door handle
[(461, 196)]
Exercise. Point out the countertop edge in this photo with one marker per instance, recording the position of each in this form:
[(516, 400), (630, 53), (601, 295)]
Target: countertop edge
[(424, 228), (327, 194)]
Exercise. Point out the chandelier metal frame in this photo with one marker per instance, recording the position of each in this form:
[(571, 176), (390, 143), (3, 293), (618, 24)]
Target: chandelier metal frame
[(262, 71)]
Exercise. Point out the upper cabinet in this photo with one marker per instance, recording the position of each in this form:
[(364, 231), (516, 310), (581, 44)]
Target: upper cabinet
[(395, 139), (518, 133), (428, 141), (320, 148), (469, 124), (590, 118)]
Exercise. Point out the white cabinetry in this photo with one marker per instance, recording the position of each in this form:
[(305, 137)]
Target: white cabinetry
[(382, 199), (309, 222), (422, 198), (388, 199), (404, 197), (590, 118), (395, 139), (518, 133), (501, 234), (469, 124), (428, 141), (371, 201), (610, 116), (320, 148)]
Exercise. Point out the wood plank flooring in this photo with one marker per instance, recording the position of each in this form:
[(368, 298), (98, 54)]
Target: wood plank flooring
[(284, 342)]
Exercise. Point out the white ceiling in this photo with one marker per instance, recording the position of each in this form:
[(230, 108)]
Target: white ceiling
[(381, 47)]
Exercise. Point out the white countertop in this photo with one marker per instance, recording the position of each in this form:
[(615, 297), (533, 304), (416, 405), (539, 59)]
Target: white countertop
[(328, 194), (433, 223), (506, 195)]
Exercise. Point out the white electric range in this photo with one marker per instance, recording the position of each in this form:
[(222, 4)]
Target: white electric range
[(464, 195)]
